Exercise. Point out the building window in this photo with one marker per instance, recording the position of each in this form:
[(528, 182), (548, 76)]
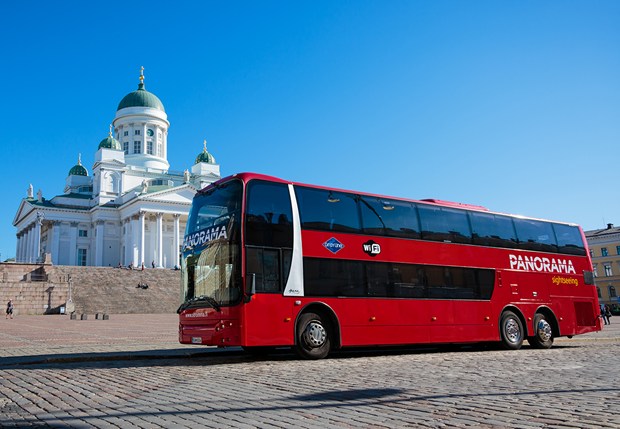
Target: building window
[(594, 267), (126, 133), (136, 132), (126, 147), (612, 292), (136, 146), (81, 261), (603, 251), (617, 250), (149, 147), (83, 233), (608, 272), (591, 253), (598, 289)]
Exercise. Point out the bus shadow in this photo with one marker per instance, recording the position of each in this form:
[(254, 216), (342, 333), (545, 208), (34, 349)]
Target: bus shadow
[(233, 355)]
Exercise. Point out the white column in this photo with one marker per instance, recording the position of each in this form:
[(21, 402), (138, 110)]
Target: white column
[(24, 245), (160, 240), (73, 234), (144, 138), (55, 241), (152, 249), (128, 242), (37, 237), (141, 238), (18, 247), (175, 242), (99, 243), (30, 255)]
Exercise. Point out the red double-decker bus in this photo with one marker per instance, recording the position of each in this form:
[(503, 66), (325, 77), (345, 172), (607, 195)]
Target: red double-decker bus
[(269, 263)]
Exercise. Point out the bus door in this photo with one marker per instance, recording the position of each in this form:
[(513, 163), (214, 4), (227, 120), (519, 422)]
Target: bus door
[(268, 250), (268, 315)]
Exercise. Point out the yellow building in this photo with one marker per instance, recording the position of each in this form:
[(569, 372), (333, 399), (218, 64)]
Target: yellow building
[(605, 252)]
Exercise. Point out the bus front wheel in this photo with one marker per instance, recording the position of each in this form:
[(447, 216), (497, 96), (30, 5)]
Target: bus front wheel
[(543, 333), (313, 337), (511, 330)]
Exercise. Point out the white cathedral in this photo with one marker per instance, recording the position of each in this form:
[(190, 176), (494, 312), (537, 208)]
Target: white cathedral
[(131, 211)]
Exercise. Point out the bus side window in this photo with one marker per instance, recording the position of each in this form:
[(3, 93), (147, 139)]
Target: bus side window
[(492, 230), (569, 239), (389, 217), (443, 224), (269, 216), (535, 235), (269, 235), (327, 210), (265, 265)]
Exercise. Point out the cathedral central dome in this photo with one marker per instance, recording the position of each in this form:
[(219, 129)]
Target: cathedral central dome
[(141, 98)]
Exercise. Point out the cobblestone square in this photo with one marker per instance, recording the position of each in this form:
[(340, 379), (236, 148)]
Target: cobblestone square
[(130, 371)]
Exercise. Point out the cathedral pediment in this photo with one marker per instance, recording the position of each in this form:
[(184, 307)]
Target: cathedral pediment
[(181, 194), (24, 209)]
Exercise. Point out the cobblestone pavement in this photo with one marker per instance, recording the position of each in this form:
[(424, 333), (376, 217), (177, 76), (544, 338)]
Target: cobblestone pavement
[(130, 372)]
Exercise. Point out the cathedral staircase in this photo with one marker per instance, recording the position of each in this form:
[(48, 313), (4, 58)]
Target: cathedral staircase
[(48, 289)]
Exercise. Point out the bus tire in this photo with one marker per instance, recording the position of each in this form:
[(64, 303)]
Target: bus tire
[(511, 330), (313, 336), (543, 333)]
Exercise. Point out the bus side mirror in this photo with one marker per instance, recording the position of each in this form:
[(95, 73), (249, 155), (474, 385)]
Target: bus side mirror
[(250, 293)]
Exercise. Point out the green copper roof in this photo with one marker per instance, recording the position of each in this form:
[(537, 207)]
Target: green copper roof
[(205, 156), (141, 98), (110, 143)]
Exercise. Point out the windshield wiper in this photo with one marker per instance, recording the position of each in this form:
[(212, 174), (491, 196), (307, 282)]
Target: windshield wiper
[(202, 298)]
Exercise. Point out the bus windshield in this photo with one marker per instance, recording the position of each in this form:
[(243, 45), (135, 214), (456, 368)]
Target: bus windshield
[(211, 254)]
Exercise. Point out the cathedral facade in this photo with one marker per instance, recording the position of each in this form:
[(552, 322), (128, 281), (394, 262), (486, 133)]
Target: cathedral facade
[(131, 210)]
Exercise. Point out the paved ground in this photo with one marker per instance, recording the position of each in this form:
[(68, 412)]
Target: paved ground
[(130, 371), (58, 338)]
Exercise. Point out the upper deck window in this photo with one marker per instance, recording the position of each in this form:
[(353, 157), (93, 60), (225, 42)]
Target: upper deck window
[(389, 217), (269, 215), (327, 210), (569, 239), (492, 230), (535, 235), (444, 224)]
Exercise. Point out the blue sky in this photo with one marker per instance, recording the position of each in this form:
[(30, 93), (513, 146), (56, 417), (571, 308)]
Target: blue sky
[(513, 105)]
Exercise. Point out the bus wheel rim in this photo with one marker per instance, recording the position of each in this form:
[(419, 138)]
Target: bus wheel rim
[(544, 330), (315, 335), (513, 333)]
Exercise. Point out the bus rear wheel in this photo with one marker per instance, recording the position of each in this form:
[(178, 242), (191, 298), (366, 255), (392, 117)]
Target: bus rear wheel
[(511, 330), (543, 333), (313, 337)]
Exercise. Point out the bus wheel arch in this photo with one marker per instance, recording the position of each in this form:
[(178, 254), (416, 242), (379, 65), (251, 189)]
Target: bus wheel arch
[(317, 332), (512, 328), (545, 329)]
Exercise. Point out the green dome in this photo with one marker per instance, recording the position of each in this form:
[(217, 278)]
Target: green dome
[(141, 98), (205, 156), (78, 169), (110, 143)]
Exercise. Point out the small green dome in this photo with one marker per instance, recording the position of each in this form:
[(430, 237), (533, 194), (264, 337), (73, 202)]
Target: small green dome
[(78, 169), (205, 156), (110, 143)]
